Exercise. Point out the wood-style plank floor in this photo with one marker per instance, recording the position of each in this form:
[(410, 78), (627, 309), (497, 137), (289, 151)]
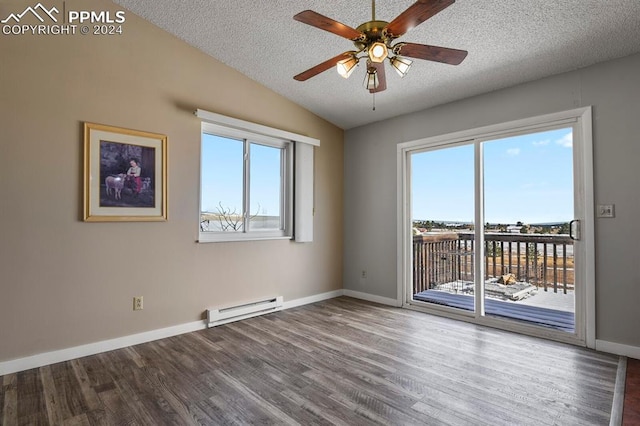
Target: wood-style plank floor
[(341, 361), (631, 413)]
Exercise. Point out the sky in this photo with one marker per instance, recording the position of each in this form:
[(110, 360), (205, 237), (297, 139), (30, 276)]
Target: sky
[(527, 178), (222, 176)]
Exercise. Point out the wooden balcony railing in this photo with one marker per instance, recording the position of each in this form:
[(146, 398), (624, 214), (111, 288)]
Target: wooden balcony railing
[(543, 260)]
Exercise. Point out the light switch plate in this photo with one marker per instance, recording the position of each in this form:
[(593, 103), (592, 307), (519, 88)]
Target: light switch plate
[(606, 210)]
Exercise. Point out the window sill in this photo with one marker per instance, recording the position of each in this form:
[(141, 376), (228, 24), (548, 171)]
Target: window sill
[(219, 238)]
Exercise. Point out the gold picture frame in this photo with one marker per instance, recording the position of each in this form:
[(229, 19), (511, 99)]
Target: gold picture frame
[(125, 175)]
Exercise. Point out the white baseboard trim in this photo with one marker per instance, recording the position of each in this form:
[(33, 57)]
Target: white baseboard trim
[(39, 360), (372, 298), (618, 349), (288, 304), (47, 358)]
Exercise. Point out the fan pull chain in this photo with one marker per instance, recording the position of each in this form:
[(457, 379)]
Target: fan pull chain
[(374, 101)]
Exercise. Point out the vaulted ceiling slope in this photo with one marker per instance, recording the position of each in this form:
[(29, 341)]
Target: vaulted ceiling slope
[(509, 42)]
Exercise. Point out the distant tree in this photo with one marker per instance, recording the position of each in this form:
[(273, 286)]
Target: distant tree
[(425, 224), (524, 229), (547, 230), (493, 250), (230, 219), (564, 228), (519, 223)]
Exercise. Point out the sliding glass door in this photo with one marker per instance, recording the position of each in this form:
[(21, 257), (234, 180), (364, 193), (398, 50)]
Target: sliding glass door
[(494, 224)]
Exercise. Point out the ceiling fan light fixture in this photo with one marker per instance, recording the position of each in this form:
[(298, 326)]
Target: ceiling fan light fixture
[(401, 65), (378, 52), (373, 40), (346, 66), (371, 81)]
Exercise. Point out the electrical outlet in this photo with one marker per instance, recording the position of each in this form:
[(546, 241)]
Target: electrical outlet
[(363, 274), (137, 303)]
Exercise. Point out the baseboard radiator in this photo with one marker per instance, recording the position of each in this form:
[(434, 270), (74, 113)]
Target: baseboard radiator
[(239, 312)]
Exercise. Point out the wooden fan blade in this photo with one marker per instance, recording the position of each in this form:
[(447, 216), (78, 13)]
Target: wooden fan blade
[(382, 78), (312, 72), (314, 19), (430, 53), (415, 15)]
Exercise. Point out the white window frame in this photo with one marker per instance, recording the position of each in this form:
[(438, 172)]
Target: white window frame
[(298, 188)]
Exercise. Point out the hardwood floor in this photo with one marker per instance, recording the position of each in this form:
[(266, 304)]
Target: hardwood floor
[(631, 413), (341, 361)]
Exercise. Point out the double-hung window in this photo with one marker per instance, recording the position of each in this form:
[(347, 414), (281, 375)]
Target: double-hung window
[(246, 185)]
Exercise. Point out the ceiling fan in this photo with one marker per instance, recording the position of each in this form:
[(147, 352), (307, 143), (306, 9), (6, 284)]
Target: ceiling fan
[(374, 41)]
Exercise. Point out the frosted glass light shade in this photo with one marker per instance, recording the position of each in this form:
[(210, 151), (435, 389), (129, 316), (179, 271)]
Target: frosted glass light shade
[(346, 66), (371, 81), (378, 52), (401, 65)]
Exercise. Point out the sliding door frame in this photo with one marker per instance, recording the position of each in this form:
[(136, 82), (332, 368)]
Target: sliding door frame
[(581, 122)]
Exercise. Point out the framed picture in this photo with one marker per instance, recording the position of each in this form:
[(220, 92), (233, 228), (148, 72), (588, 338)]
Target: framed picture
[(125, 175)]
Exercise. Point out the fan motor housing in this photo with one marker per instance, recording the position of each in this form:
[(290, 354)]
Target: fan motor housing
[(374, 32)]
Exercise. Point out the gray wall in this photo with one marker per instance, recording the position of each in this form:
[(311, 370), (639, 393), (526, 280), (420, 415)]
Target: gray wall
[(612, 88)]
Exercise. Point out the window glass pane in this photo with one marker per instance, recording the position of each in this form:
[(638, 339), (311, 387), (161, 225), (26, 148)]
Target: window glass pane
[(443, 217), (265, 193), (529, 204), (222, 182)]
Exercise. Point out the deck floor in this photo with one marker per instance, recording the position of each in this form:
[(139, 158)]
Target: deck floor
[(543, 299), (551, 318), (550, 300)]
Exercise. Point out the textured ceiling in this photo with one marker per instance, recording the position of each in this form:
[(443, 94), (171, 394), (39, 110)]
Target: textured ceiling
[(509, 42)]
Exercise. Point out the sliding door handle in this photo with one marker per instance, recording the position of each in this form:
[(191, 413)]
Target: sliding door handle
[(574, 229)]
